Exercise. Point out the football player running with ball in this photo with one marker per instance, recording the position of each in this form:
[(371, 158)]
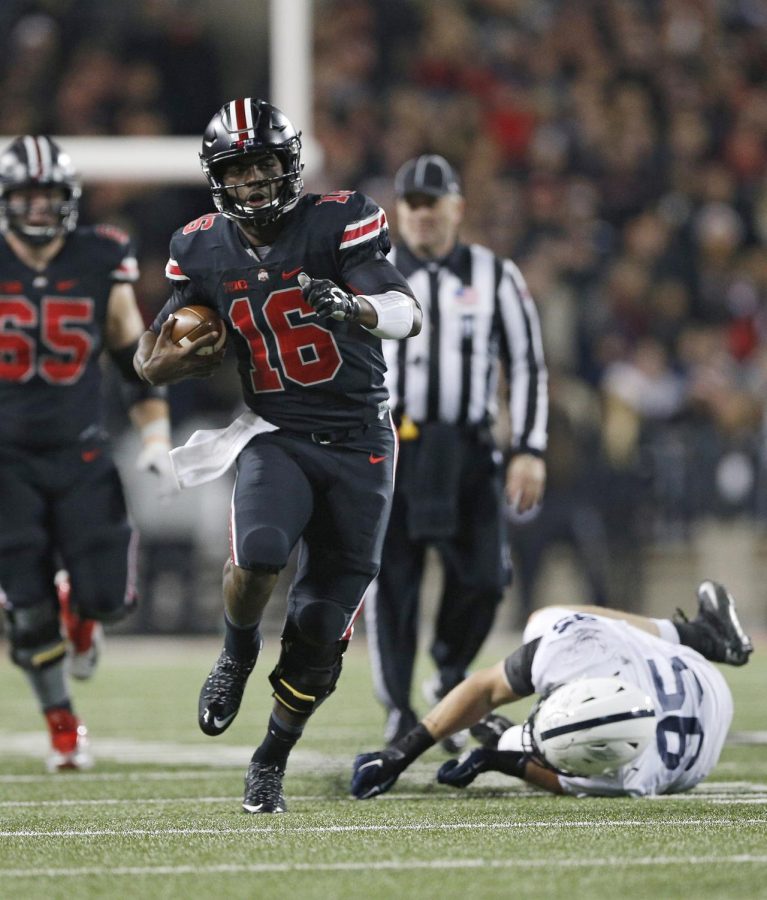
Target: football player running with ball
[(629, 706), (66, 294), (306, 293)]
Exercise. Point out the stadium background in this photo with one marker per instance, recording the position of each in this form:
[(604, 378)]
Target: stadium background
[(615, 150)]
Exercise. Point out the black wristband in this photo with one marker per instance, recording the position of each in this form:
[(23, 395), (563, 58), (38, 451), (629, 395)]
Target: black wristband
[(414, 743), (509, 762)]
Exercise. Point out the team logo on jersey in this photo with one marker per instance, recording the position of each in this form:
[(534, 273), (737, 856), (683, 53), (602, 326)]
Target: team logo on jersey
[(263, 275)]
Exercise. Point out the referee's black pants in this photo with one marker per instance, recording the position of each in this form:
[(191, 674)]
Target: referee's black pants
[(476, 569)]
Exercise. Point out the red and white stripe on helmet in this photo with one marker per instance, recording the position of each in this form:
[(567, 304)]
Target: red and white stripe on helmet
[(239, 117), (40, 158)]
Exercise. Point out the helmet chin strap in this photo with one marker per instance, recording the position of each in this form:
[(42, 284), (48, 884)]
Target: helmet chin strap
[(40, 237)]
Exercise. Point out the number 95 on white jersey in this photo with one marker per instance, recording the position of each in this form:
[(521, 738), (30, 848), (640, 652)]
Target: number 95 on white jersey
[(693, 705)]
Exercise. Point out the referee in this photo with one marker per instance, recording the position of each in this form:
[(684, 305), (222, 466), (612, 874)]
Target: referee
[(478, 317)]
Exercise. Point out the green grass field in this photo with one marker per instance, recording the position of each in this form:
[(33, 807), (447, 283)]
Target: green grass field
[(160, 815)]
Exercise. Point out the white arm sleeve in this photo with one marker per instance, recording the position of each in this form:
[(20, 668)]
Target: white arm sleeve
[(395, 314)]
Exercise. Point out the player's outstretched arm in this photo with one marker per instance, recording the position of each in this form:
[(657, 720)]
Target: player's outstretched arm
[(461, 772), (159, 361), (376, 773)]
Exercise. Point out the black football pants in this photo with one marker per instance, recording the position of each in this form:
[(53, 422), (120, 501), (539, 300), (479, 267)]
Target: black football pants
[(64, 508)]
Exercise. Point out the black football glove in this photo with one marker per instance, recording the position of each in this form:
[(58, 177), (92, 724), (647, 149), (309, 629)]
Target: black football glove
[(375, 773), (489, 729), (462, 771), (328, 299)]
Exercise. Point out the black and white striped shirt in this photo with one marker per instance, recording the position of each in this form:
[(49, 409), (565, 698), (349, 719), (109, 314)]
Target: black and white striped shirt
[(478, 316)]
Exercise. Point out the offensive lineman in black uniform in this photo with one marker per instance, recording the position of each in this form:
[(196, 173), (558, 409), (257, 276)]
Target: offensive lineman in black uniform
[(282, 271), (65, 294)]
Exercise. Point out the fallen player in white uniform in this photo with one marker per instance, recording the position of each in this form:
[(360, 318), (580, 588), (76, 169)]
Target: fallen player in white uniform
[(629, 706)]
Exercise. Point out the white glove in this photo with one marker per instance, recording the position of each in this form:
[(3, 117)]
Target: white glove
[(155, 456)]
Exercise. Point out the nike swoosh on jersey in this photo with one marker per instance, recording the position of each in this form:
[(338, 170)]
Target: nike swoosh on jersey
[(291, 273), (90, 455), (375, 459)]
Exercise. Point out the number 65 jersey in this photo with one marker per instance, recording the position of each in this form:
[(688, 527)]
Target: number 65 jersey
[(51, 334), (693, 705), (297, 372)]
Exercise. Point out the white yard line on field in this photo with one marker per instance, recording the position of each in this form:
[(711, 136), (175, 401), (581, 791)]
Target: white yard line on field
[(395, 864), (138, 752), (426, 826), (161, 775), (743, 793)]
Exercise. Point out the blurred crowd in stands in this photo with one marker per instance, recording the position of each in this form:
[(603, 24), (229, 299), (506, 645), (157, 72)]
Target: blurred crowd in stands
[(615, 149)]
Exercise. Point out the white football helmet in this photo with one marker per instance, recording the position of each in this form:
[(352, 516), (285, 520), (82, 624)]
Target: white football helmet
[(591, 726)]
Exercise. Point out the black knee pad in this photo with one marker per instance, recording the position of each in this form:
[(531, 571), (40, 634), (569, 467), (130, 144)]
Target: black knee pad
[(306, 672), (263, 547), (35, 637)]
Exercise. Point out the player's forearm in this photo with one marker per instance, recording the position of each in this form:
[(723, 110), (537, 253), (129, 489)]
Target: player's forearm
[(143, 353), (392, 314), (148, 413), (150, 418), (542, 778), (467, 703)]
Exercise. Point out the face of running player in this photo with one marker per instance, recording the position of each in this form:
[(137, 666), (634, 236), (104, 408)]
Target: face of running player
[(36, 208), (247, 180), (429, 225)]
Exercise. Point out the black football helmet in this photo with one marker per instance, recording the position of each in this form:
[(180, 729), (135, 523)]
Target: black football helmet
[(249, 127), (38, 161)]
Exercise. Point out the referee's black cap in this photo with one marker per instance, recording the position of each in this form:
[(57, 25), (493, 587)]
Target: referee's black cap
[(428, 174)]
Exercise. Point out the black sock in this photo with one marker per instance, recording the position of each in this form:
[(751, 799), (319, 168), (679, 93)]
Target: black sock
[(280, 739), (691, 634), (413, 744), (242, 644)]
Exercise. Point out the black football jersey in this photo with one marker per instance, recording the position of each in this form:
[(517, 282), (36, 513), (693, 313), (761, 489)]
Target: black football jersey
[(51, 335), (298, 372)]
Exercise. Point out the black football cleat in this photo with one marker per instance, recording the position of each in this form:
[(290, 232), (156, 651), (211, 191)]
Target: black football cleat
[(727, 642), (263, 789), (221, 694)]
